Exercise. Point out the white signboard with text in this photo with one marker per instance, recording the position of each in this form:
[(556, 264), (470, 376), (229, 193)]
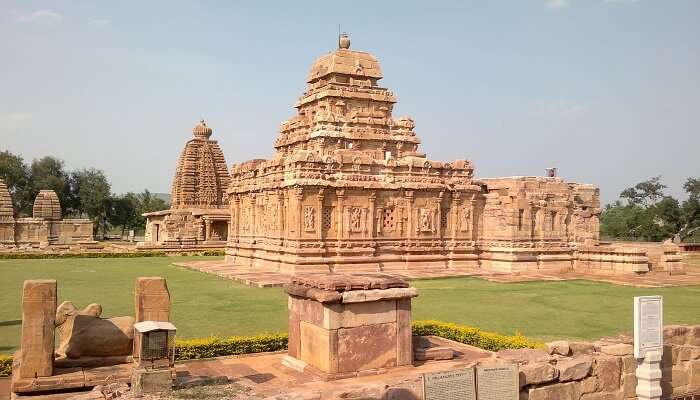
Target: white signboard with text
[(648, 325)]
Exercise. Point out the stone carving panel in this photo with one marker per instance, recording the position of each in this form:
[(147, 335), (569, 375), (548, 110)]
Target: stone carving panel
[(309, 219)]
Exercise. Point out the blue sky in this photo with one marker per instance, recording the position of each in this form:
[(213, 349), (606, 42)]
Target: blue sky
[(608, 91)]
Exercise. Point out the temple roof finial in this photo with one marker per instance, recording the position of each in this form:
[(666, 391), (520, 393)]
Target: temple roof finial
[(344, 41)]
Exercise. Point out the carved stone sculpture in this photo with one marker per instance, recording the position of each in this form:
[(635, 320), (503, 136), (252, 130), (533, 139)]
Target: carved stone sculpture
[(82, 333)]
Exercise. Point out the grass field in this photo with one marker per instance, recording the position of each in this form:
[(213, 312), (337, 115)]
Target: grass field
[(204, 304)]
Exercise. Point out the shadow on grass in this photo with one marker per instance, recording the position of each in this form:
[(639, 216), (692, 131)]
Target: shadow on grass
[(11, 322)]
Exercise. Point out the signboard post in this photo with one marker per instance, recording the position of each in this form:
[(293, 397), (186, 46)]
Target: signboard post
[(648, 345), (456, 384)]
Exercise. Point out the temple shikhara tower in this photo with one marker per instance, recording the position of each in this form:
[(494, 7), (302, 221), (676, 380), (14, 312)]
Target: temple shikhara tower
[(46, 229), (349, 190), (198, 215)]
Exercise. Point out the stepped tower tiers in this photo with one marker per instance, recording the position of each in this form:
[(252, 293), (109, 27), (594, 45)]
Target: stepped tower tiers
[(349, 190), (7, 217), (198, 215)]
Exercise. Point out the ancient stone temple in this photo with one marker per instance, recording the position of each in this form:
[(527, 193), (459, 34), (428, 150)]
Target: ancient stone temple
[(349, 189), (198, 215), (46, 229)]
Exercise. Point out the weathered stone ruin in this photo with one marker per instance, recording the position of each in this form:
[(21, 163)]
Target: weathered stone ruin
[(198, 216), (349, 190), (91, 351), (344, 325), (46, 229)]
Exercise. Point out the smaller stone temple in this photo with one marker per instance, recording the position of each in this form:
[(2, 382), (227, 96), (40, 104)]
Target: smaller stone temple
[(198, 216), (46, 229)]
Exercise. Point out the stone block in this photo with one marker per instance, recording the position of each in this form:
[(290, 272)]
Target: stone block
[(151, 299), (617, 395), (361, 296), (574, 369), (579, 348), (38, 325), (294, 343), (675, 334), (317, 347), (307, 310), (337, 316), (674, 377), (629, 364), (151, 381), (619, 349), (608, 370), (404, 334), (560, 347), (433, 353), (694, 375), (525, 356), (693, 337), (537, 373), (560, 391), (629, 385), (589, 385), (367, 347)]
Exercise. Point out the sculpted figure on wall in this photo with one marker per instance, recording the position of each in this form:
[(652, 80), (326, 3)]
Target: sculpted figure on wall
[(309, 218), (465, 219), (426, 219), (355, 219)]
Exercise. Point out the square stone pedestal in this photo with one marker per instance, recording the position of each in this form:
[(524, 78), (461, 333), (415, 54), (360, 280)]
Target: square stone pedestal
[(345, 325)]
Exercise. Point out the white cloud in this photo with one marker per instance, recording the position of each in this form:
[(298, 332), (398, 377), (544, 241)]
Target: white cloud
[(100, 22), (560, 109), (557, 3), (39, 16)]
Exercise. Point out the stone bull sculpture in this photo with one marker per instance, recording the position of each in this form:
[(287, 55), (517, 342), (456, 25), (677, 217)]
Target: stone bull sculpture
[(82, 333)]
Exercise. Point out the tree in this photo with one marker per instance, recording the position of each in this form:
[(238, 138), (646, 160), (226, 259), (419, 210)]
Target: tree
[(147, 202), (49, 173), (91, 193), (645, 193), (651, 215), (15, 173), (124, 211), (690, 210)]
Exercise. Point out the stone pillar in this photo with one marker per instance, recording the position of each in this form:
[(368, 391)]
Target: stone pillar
[(38, 324), (281, 217), (207, 232), (454, 210), (299, 196), (649, 377), (319, 220), (372, 227), (409, 201), (236, 217), (338, 333), (340, 194), (151, 299)]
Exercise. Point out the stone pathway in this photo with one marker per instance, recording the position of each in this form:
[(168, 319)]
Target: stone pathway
[(263, 375), (269, 278)]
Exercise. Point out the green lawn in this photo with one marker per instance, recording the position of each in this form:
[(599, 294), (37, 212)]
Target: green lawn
[(204, 304)]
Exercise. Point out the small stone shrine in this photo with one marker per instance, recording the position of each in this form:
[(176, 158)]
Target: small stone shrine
[(46, 229), (343, 325), (91, 350), (198, 215)]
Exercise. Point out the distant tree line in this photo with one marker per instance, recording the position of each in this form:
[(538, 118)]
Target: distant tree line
[(84, 193), (645, 212)]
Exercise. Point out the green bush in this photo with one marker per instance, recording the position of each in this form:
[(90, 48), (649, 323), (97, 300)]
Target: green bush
[(5, 365), (189, 349), (473, 336), (15, 256)]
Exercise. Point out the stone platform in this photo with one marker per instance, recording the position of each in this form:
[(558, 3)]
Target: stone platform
[(262, 277)]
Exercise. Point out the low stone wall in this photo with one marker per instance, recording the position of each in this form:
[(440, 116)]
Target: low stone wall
[(605, 369), (633, 257)]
